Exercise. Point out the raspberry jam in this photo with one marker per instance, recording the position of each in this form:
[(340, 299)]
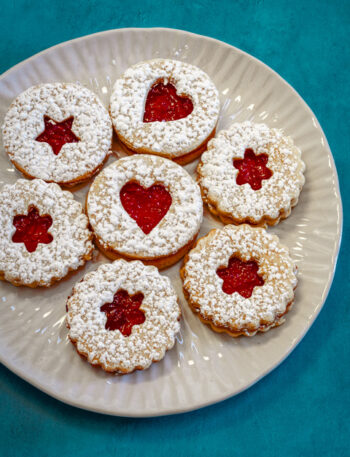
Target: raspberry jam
[(146, 206), (123, 312), (252, 169), (163, 104), (240, 277), (56, 134), (32, 229)]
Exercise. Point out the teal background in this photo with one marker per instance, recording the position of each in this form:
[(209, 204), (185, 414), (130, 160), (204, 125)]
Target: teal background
[(301, 408)]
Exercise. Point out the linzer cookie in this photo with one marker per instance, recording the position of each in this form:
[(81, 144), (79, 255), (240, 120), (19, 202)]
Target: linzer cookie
[(251, 174), (165, 107), (43, 233), (123, 316), (239, 280), (58, 132), (145, 207)]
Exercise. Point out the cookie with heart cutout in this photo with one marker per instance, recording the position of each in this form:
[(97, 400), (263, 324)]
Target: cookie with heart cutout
[(123, 316), (43, 233), (58, 132), (239, 280), (251, 174), (165, 107), (145, 207)]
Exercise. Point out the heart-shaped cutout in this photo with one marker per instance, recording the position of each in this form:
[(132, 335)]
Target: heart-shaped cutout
[(240, 277), (124, 312), (163, 104), (146, 206)]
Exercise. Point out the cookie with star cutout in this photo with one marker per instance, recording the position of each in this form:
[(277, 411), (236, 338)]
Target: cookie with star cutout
[(166, 108), (58, 132), (123, 317), (251, 174), (43, 233), (144, 207), (239, 280)]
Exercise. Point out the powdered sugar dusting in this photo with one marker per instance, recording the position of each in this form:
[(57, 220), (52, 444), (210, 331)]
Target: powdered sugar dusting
[(71, 244), (233, 311), (174, 138), (110, 348), (217, 175), (116, 229), (24, 121)]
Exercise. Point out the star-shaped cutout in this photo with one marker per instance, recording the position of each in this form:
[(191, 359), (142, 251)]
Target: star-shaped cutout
[(123, 312), (57, 134), (252, 169), (32, 229), (240, 277)]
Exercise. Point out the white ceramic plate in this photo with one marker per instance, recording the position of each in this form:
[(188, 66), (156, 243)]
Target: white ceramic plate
[(204, 367)]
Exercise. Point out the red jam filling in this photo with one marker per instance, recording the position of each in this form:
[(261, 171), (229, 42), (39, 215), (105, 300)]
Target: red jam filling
[(146, 206), (163, 104), (57, 133), (240, 277), (123, 312), (32, 229), (252, 169)]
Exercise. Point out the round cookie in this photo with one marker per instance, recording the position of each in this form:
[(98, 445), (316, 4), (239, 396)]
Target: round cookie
[(58, 132), (165, 107), (239, 280), (146, 208), (251, 174), (43, 233), (123, 316)]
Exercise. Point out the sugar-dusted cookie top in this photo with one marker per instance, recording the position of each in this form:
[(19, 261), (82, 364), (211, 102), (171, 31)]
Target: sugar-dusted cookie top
[(251, 173), (165, 107), (123, 316), (239, 279), (144, 206), (58, 132), (43, 233)]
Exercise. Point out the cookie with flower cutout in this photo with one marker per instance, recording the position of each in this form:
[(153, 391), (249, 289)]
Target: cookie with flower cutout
[(251, 174), (58, 132), (144, 207), (43, 233), (239, 280), (123, 316), (165, 107)]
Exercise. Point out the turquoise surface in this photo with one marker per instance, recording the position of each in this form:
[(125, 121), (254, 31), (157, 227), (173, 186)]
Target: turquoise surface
[(301, 408)]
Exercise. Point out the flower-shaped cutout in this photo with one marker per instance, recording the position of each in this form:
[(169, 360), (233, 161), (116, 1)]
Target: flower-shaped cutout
[(252, 169), (32, 229), (240, 276), (124, 312)]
